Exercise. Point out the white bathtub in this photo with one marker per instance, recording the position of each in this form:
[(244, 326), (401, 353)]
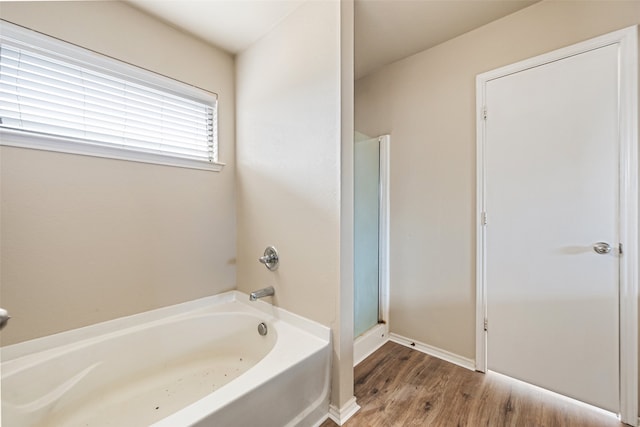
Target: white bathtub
[(201, 363)]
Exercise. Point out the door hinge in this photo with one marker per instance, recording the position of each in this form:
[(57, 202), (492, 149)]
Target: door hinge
[(486, 325), (620, 248), (483, 218), (484, 113)]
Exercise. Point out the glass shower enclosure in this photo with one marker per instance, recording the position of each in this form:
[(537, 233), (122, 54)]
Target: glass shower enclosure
[(366, 234)]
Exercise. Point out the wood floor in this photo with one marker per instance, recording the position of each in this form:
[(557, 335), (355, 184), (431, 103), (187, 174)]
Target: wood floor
[(399, 386)]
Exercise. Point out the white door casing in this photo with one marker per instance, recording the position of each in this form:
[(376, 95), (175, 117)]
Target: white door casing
[(514, 172)]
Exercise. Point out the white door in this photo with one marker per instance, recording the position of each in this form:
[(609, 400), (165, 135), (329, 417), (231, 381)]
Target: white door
[(551, 193)]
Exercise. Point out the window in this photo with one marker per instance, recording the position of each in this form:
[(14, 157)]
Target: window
[(60, 97)]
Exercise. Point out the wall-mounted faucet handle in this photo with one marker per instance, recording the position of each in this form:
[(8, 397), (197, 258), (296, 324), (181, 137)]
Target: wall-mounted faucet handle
[(270, 258), (266, 259), (4, 318)]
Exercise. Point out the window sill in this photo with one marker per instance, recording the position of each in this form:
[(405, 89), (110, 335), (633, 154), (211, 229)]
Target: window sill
[(13, 138)]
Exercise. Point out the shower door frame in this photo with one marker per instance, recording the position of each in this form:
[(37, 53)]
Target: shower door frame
[(376, 336)]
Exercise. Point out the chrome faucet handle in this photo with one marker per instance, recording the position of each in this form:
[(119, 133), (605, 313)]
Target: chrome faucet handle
[(4, 318), (265, 259), (270, 258)]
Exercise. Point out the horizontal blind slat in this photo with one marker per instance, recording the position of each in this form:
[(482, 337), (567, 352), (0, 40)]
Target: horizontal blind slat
[(111, 115), (69, 90), (54, 69), (101, 139), (35, 122)]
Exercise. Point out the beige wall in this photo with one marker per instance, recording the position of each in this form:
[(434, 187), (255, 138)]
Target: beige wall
[(288, 156), (86, 239), (427, 103)]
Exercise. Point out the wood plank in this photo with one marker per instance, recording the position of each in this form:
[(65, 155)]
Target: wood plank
[(399, 386)]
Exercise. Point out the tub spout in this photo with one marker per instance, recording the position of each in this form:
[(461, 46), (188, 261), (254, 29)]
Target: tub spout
[(261, 293)]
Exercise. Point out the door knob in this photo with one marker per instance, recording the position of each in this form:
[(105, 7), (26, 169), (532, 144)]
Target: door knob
[(601, 248)]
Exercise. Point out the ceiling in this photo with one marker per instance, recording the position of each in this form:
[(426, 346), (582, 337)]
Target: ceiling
[(389, 30), (385, 30), (232, 25)]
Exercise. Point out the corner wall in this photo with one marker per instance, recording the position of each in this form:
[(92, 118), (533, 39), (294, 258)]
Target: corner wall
[(85, 239), (289, 169)]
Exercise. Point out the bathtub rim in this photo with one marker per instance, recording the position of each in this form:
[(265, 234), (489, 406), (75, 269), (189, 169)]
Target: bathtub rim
[(32, 347)]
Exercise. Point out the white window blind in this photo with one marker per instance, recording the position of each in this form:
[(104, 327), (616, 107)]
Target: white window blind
[(43, 94)]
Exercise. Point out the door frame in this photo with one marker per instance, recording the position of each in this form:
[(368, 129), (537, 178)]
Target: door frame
[(627, 41)]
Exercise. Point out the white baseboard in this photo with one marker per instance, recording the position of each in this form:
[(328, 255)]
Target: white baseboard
[(434, 351), (341, 415), (369, 342), (319, 423)]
